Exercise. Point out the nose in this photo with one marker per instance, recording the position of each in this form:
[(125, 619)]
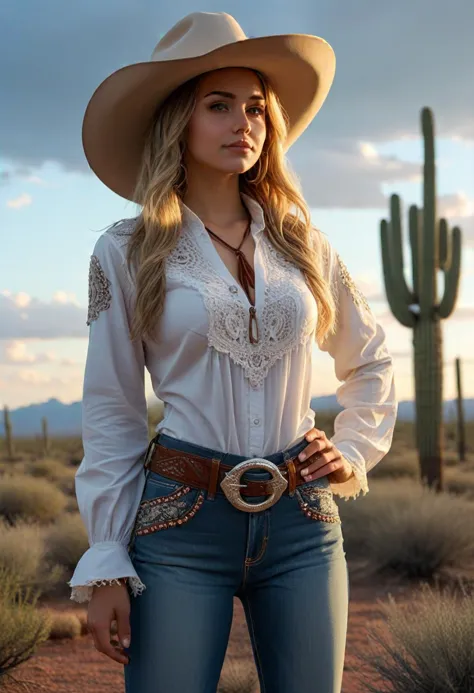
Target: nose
[(242, 121)]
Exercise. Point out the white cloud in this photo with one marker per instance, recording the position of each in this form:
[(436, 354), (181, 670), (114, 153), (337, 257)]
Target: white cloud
[(24, 200), (20, 387), (347, 174), (457, 205), (15, 353), (33, 377), (391, 62), (24, 317), (458, 209)]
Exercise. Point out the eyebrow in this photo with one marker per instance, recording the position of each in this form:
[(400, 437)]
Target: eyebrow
[(229, 95)]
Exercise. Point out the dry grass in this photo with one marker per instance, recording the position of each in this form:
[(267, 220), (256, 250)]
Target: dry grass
[(402, 529), (239, 675), (425, 646), (24, 497), (55, 471), (22, 550), (63, 624), (66, 541), (22, 626)]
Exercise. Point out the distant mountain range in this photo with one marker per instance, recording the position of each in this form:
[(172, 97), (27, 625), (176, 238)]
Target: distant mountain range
[(65, 419)]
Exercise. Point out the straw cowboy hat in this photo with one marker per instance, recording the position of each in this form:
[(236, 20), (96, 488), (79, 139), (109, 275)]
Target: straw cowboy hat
[(300, 67)]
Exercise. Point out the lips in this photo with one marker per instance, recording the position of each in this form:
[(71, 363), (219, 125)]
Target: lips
[(239, 146)]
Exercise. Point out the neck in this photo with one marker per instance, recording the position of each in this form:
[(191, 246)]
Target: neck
[(215, 198)]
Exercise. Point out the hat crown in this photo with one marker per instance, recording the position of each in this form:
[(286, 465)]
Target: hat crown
[(196, 34)]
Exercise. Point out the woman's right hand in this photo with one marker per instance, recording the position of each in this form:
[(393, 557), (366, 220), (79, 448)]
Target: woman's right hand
[(110, 603)]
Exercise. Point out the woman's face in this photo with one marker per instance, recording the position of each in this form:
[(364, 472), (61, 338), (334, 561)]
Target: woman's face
[(219, 119)]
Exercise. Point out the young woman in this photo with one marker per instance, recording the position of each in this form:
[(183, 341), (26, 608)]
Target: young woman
[(220, 291)]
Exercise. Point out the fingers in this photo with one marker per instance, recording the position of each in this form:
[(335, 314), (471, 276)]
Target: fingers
[(100, 628), (314, 433), (123, 626), (101, 636), (319, 444), (327, 461), (325, 470)]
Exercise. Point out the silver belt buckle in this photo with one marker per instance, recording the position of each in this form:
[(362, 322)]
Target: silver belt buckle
[(231, 484)]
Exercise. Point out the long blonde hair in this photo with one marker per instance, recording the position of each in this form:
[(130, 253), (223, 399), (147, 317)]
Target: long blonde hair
[(161, 184)]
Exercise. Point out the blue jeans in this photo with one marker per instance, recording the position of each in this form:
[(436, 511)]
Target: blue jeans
[(285, 564)]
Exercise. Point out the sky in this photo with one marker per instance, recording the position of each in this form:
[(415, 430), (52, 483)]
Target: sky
[(392, 60)]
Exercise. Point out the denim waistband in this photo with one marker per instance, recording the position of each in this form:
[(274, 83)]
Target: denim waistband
[(226, 457)]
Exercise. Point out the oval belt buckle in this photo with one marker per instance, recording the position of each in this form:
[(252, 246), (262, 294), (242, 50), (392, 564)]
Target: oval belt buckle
[(231, 484)]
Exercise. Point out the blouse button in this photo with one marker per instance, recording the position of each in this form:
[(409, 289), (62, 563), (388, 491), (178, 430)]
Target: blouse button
[(256, 421), (233, 289)]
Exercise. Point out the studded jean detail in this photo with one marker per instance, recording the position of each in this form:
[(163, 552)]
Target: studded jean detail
[(165, 503), (196, 555), (318, 503)]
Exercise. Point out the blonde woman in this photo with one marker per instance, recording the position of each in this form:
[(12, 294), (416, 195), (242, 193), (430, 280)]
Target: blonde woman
[(220, 287)]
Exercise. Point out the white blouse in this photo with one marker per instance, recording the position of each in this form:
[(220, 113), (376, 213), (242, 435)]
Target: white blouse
[(259, 402)]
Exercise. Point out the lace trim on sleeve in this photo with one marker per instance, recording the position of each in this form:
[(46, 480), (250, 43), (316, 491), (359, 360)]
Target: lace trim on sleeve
[(83, 593)]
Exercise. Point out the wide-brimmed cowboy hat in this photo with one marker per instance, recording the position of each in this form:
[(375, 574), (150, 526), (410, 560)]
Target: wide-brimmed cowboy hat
[(299, 67)]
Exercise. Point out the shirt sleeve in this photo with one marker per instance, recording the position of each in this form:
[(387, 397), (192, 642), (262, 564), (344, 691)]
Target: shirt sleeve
[(363, 430), (110, 479)]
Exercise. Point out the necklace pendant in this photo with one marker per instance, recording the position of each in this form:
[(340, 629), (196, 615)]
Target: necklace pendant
[(253, 325)]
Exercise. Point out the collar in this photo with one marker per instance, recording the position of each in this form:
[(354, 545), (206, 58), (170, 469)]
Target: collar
[(255, 209)]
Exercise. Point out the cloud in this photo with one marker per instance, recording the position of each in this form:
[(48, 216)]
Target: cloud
[(15, 353), (24, 200), (458, 209), (25, 317), (20, 387), (348, 174), (392, 59)]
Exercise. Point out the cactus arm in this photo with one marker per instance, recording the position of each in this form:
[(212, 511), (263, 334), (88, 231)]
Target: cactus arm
[(451, 276), (398, 307), (415, 226), (444, 246), (396, 247), (428, 297)]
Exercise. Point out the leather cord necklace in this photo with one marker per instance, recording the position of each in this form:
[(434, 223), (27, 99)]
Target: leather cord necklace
[(246, 278)]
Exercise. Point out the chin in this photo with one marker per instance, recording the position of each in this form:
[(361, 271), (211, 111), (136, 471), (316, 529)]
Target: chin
[(243, 168)]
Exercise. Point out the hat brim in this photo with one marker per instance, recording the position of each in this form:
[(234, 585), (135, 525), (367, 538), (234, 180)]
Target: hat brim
[(300, 67)]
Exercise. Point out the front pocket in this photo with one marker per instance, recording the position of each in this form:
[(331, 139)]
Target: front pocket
[(166, 503), (318, 503)]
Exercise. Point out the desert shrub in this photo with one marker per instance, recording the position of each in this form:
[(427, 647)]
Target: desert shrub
[(64, 624), (238, 676), (425, 645), (459, 481), (66, 541), (49, 468), (23, 497), (408, 531), (22, 626), (396, 464), (81, 615), (22, 551), (62, 476)]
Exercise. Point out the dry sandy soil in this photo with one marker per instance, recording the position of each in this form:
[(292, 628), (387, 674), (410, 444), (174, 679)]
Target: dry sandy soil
[(75, 666)]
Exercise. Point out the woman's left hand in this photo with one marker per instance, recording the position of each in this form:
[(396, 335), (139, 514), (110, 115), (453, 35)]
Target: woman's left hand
[(323, 458)]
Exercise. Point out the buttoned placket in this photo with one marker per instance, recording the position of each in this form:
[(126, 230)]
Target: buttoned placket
[(255, 395)]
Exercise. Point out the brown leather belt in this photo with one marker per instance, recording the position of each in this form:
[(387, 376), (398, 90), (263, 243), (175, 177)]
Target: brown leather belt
[(216, 477)]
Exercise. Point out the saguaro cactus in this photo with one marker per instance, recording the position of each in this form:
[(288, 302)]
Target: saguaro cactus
[(461, 432), (45, 436), (8, 433), (433, 247)]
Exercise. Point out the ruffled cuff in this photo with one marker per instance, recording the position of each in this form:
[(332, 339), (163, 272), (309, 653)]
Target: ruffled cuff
[(356, 484), (103, 563)]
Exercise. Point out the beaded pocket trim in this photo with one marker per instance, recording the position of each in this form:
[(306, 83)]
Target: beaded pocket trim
[(318, 503), (167, 511)]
